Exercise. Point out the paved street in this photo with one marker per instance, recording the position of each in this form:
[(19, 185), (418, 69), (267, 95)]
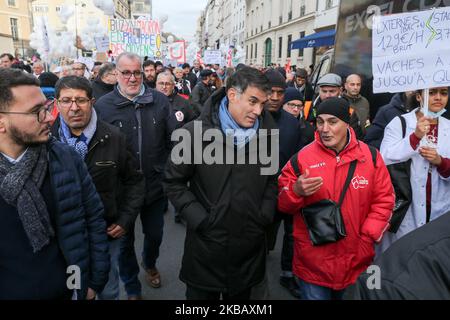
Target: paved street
[(169, 264)]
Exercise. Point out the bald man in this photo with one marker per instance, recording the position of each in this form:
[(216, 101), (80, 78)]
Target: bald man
[(359, 104)]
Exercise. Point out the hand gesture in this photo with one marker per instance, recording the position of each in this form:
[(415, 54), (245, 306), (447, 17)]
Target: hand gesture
[(422, 128), (115, 231), (305, 186), (431, 155)]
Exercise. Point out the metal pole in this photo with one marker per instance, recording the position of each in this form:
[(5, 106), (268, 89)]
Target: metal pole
[(76, 27)]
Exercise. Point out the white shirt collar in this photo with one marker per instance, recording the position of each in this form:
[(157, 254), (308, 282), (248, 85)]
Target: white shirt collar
[(12, 160)]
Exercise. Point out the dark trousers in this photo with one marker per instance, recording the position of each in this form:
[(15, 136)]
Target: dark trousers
[(152, 218), (193, 293), (287, 251)]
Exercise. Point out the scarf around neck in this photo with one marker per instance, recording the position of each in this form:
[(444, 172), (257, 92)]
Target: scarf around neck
[(229, 126), (20, 185), (80, 143)]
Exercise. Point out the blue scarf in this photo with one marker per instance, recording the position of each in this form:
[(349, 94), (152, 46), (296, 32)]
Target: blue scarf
[(80, 143), (230, 128)]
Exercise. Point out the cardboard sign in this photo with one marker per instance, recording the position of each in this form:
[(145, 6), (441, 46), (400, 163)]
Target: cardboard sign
[(411, 51), (212, 57), (142, 37), (102, 44)]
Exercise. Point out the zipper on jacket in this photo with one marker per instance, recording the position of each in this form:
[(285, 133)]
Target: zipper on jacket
[(338, 159)]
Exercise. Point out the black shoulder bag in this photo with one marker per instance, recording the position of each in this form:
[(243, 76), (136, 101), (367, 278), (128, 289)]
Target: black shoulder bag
[(400, 176), (324, 218)]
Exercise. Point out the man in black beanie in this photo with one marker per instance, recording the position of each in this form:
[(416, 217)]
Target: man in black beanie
[(319, 172), (290, 142)]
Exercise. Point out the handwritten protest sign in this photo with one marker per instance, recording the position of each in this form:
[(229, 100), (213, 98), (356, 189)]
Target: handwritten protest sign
[(102, 44), (411, 51), (212, 57), (142, 37)]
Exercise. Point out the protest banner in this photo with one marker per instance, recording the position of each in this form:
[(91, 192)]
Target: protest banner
[(411, 51), (177, 52), (212, 57), (102, 44), (142, 37)]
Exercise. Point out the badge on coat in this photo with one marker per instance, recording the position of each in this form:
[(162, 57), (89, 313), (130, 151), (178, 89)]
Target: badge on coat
[(179, 115)]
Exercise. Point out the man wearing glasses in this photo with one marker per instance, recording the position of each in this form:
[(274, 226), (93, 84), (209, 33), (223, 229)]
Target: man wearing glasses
[(145, 116), (51, 216), (110, 164)]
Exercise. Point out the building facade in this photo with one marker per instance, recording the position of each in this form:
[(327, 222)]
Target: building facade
[(238, 22), (141, 8), (15, 27), (272, 26), (122, 9)]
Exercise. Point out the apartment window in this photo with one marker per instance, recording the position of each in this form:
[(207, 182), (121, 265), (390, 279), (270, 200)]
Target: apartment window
[(289, 41), (300, 51), (246, 51), (280, 20), (12, 3), (261, 28), (329, 4), (280, 47), (251, 51), (290, 16), (256, 50), (40, 9), (302, 9), (252, 32), (139, 6), (58, 8), (14, 28), (270, 24)]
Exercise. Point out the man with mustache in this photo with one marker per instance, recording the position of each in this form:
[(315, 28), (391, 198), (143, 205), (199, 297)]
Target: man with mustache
[(52, 216), (319, 172), (109, 162)]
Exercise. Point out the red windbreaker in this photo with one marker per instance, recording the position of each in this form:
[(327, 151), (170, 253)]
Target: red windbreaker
[(366, 211)]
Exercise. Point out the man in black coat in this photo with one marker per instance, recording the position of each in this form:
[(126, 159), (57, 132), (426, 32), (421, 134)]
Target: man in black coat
[(202, 91), (302, 85), (110, 164), (165, 84), (416, 267), (105, 81), (188, 75), (290, 142), (226, 203), (145, 116)]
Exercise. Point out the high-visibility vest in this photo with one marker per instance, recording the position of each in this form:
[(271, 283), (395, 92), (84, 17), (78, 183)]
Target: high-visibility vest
[(307, 108)]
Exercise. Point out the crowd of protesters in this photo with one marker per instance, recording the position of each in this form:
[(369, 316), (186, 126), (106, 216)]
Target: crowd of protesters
[(86, 151)]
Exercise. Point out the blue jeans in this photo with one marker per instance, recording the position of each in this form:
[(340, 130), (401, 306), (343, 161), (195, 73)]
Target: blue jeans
[(311, 291), (152, 218), (111, 290)]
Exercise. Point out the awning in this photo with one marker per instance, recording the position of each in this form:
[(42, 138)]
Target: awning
[(319, 39)]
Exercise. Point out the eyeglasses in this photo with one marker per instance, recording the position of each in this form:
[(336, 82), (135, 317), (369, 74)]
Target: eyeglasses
[(41, 114), (294, 105), (80, 102), (127, 74), (164, 84)]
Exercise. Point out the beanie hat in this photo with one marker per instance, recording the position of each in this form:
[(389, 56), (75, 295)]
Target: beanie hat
[(275, 79), (292, 94), (338, 107)]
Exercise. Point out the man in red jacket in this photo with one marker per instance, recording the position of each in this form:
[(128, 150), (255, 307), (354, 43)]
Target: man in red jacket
[(324, 271)]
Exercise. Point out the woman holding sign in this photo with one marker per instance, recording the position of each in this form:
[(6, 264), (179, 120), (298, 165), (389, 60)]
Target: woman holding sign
[(425, 143)]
